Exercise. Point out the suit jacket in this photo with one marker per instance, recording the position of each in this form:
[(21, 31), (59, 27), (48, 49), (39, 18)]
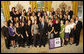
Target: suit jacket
[(79, 26), (70, 13), (5, 31), (43, 30)]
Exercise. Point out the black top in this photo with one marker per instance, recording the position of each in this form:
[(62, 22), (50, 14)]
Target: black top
[(5, 31), (38, 20), (28, 29), (70, 13), (49, 28), (23, 31), (18, 15), (56, 27), (9, 21), (43, 30), (12, 14), (42, 13), (79, 25), (53, 13), (18, 30), (36, 13)]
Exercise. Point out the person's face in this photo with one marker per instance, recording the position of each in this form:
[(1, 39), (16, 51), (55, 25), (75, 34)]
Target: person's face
[(16, 18), (50, 13), (35, 9), (65, 17), (33, 14), (46, 17), (72, 20), (56, 17), (76, 18), (11, 24), (28, 13), (75, 27), (46, 9), (60, 16), (22, 24), (61, 22), (49, 21), (66, 12), (67, 22), (56, 21), (52, 17), (10, 18)]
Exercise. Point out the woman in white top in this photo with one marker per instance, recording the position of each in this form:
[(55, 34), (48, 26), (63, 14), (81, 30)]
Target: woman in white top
[(67, 32), (72, 24)]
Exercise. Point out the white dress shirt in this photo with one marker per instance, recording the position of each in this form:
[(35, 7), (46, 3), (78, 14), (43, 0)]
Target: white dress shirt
[(67, 29)]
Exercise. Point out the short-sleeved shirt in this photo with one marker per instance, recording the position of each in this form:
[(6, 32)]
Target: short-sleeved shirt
[(35, 28)]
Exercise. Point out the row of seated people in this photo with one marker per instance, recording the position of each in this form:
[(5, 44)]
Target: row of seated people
[(38, 29)]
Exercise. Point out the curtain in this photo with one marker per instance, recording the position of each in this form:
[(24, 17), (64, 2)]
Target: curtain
[(75, 7), (5, 6), (47, 4), (33, 5)]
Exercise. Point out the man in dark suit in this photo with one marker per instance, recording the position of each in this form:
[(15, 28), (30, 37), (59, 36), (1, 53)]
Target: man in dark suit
[(35, 11), (70, 12), (43, 32), (6, 35), (78, 27), (41, 11)]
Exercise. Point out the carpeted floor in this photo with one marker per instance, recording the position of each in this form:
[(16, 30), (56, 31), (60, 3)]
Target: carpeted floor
[(64, 49)]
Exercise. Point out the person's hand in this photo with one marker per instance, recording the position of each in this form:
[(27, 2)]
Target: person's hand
[(14, 35), (19, 35), (38, 33), (27, 35), (32, 34), (5, 37), (56, 32), (60, 32), (46, 33), (22, 36)]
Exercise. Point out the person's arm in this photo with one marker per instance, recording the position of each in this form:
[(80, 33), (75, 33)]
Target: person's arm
[(26, 34), (62, 31), (52, 30), (16, 32), (32, 30)]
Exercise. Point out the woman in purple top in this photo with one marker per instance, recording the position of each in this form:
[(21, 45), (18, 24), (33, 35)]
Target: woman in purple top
[(12, 34)]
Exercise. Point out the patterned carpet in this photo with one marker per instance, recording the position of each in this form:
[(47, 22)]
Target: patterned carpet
[(64, 49)]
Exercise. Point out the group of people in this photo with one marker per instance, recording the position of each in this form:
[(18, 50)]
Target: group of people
[(37, 27)]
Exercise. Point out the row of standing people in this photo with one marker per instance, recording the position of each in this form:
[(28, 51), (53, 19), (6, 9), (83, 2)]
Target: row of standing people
[(52, 28)]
